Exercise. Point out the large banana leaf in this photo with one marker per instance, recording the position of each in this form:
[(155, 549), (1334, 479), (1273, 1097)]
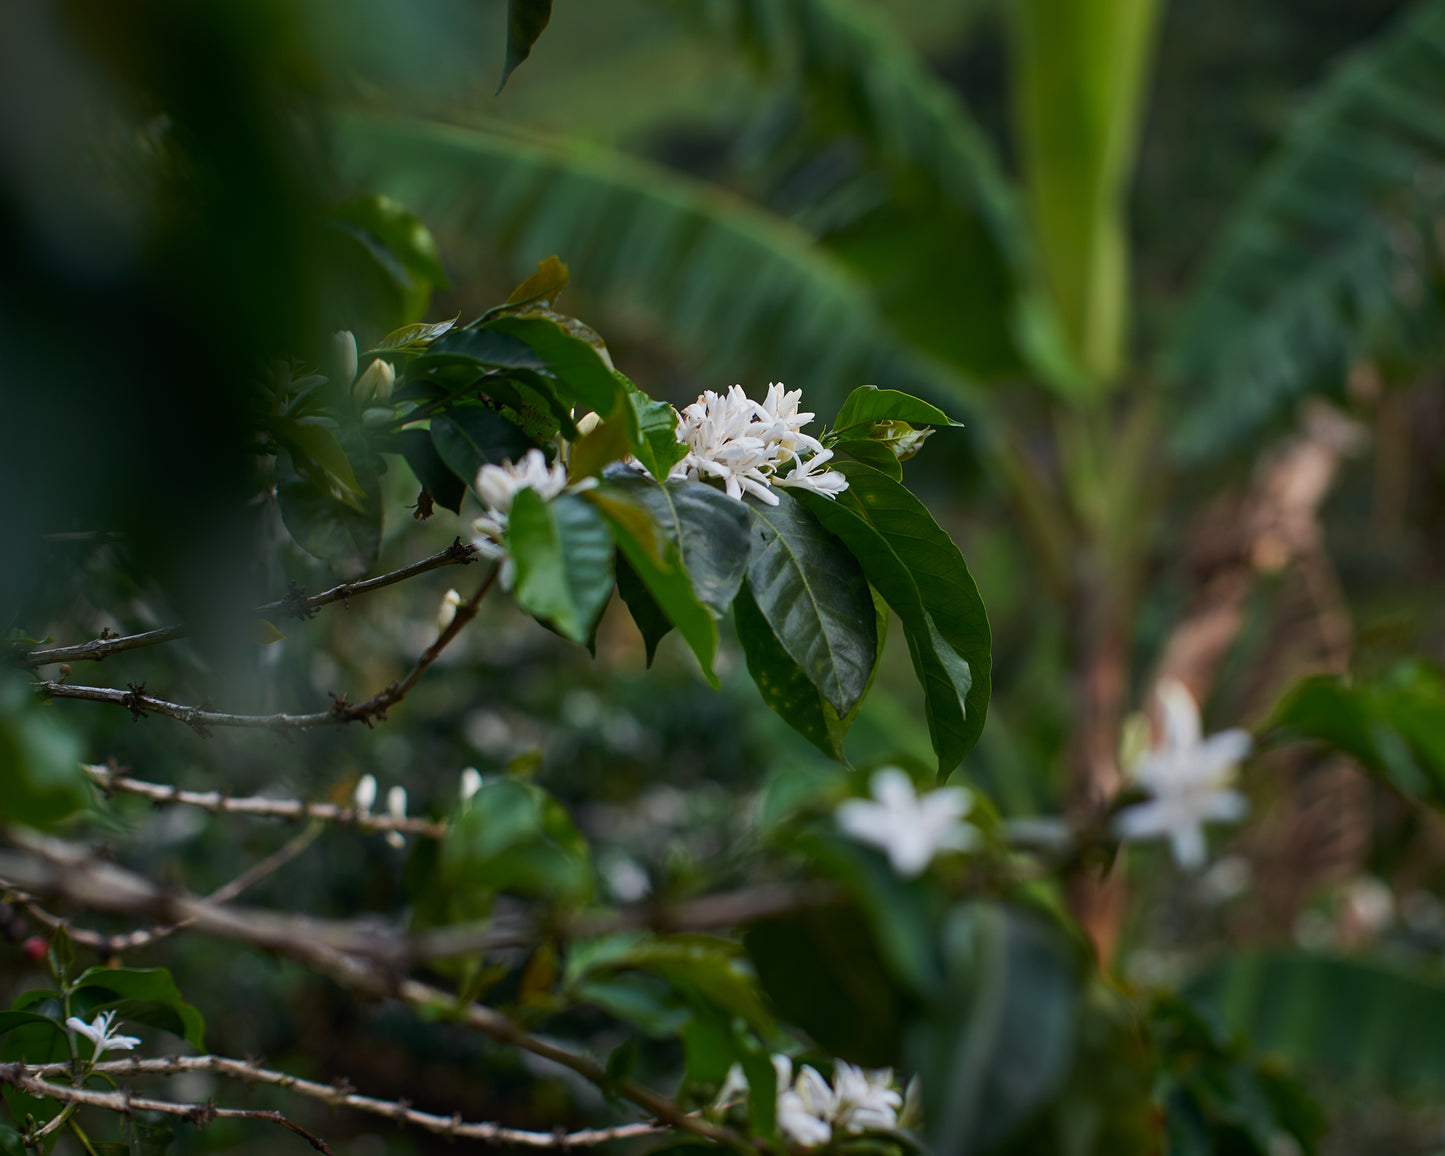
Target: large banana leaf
[(748, 295), (1333, 255), (1362, 1022)]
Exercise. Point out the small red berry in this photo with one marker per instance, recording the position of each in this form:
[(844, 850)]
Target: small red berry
[(34, 949)]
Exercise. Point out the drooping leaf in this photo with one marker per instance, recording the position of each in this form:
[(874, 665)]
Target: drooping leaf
[(437, 478), (103, 987), (1331, 256), (526, 20), (320, 459), (893, 538), (813, 595), (652, 623), (468, 436), (652, 555), (347, 538), (563, 551)]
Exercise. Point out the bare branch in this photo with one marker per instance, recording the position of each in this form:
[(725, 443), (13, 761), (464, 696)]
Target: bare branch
[(217, 802), (338, 1095), (135, 700), (297, 604), (122, 1101)]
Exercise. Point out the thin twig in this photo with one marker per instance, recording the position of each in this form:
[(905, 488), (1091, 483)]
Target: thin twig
[(140, 704), (217, 802), (298, 604), (339, 1095), (124, 1102), (63, 870)]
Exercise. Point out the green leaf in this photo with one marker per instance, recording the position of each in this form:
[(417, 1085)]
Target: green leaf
[(526, 20), (563, 552), (402, 234), (641, 1000), (1370, 1025), (946, 677), (1331, 256), (578, 367), (435, 476), (15, 1019), (813, 595), (657, 446), (103, 987), (349, 539), (467, 437), (951, 645), (1001, 1042), (477, 349), (872, 453), (1395, 727), (319, 458), (515, 837), (651, 622), (11, 1142), (652, 555), (868, 404), (413, 337), (40, 777), (34, 1043), (542, 286), (704, 970)]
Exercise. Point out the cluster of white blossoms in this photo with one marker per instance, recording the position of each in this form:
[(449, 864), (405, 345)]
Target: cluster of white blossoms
[(102, 1032), (810, 1112), (1190, 780), (747, 445), (498, 487), (911, 829)]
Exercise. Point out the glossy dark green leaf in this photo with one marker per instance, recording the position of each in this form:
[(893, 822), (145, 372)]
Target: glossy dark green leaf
[(436, 477), (578, 368), (709, 529), (104, 987), (479, 350), (1001, 1042), (413, 337), (957, 623), (872, 453), (469, 436), (868, 404), (349, 539), (40, 777), (652, 555), (651, 622), (15, 1019), (945, 675), (526, 20), (563, 551), (786, 690), (1394, 726), (812, 593)]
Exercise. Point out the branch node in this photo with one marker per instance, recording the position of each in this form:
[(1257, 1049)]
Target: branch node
[(134, 700)]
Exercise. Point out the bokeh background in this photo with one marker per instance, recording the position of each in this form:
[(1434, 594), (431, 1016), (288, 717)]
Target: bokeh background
[(1176, 266)]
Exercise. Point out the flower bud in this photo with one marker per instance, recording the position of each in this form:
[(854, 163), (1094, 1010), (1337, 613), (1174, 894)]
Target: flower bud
[(396, 803), (471, 783), (375, 382), (447, 612), (365, 793), (343, 353), (589, 422)]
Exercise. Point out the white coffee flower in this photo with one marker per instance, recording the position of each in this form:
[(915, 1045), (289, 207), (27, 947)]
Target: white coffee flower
[(805, 1106), (396, 808), (498, 487), (365, 794), (471, 783), (865, 1101), (747, 444), (101, 1033), (910, 828), (1189, 778)]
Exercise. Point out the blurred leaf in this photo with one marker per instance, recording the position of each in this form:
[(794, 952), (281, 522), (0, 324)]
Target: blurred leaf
[(726, 280), (515, 837), (318, 457), (1001, 1043), (812, 593), (609, 441), (386, 224), (11, 1142), (1368, 1024), (706, 971), (652, 556), (955, 624), (436, 477), (103, 987), (563, 552), (40, 777), (34, 1043), (1395, 727), (349, 539), (642, 1000), (1332, 255), (526, 20), (1080, 82)]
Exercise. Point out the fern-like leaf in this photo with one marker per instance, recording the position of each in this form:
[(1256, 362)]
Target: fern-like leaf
[(1334, 254)]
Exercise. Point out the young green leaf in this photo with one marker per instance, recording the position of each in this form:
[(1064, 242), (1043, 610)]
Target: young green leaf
[(868, 404), (549, 280), (812, 593), (526, 20), (563, 552)]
